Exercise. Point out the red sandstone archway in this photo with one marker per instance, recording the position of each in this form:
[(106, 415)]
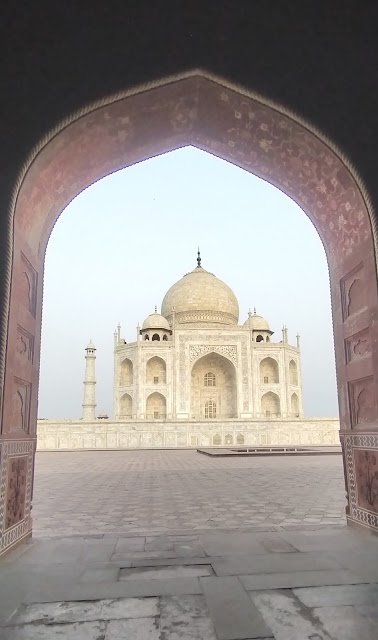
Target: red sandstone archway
[(241, 128)]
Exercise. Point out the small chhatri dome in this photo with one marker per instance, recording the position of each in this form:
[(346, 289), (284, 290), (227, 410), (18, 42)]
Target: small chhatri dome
[(90, 345), (201, 297), (155, 321), (256, 322)]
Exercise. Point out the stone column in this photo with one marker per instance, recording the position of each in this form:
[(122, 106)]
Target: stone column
[(89, 403)]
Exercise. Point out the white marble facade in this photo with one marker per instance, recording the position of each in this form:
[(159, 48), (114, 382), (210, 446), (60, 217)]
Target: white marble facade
[(194, 361)]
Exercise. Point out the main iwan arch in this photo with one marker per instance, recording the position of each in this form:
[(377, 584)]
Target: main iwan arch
[(206, 112)]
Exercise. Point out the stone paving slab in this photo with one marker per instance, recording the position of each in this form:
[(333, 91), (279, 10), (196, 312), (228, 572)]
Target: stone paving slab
[(346, 623), (230, 608), (287, 620), (328, 596), (64, 612), (166, 572), (295, 579), (76, 631), (135, 589), (273, 563)]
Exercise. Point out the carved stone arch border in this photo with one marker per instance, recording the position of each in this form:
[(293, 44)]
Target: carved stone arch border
[(199, 109), (276, 392), (150, 356), (161, 392), (212, 349)]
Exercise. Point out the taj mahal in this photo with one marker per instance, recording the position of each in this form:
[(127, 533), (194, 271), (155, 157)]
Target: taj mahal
[(195, 376), (195, 361)]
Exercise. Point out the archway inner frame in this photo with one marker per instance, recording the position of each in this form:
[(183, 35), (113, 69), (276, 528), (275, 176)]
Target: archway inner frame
[(210, 114)]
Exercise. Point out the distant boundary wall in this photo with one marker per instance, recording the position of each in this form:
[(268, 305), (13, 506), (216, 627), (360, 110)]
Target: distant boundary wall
[(139, 434)]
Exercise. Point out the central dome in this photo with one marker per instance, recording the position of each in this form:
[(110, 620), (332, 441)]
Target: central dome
[(200, 297)]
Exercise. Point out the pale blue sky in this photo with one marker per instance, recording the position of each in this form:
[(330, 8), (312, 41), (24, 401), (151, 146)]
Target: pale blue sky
[(120, 245)]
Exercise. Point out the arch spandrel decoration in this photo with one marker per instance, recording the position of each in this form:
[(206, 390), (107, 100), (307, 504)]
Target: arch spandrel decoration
[(198, 351), (239, 127)]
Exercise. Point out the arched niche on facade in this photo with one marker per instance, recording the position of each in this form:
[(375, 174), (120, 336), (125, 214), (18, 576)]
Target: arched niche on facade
[(217, 439), (213, 387), (126, 373), (294, 405), (270, 405), (240, 438), (240, 127), (156, 371), (125, 406), (156, 406), (293, 373), (269, 372)]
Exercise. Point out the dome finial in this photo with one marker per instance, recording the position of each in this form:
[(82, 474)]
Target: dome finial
[(198, 258), (155, 308), (254, 310)]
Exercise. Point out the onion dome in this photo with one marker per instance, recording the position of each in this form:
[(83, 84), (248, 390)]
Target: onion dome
[(201, 297), (155, 321), (257, 323)]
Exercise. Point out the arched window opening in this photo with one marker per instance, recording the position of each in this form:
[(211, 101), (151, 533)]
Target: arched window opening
[(228, 439), (210, 409), (267, 339), (259, 339), (209, 379), (295, 405), (269, 369), (125, 406), (156, 371), (240, 438), (270, 405), (293, 373), (126, 373), (165, 337), (146, 337), (156, 337), (217, 440), (156, 406)]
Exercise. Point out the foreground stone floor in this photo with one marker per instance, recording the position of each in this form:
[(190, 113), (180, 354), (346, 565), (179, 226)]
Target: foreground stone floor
[(139, 491), (234, 578)]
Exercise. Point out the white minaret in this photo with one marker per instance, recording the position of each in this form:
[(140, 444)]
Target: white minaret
[(89, 403)]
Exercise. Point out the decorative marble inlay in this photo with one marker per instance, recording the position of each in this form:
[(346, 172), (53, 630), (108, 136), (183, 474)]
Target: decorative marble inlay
[(358, 346), (365, 462), (21, 404), (29, 285), (360, 453), (362, 401), (11, 493), (16, 488), (353, 295), (228, 351), (25, 344)]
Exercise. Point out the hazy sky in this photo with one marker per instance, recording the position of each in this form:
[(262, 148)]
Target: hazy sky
[(120, 245)]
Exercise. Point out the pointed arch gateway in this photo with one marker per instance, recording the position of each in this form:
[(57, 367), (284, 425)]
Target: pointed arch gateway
[(236, 125), (156, 406), (213, 388)]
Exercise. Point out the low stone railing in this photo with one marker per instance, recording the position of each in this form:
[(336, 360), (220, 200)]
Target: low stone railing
[(136, 434)]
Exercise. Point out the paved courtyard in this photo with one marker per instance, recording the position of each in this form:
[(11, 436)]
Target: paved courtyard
[(173, 545), (163, 491)]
